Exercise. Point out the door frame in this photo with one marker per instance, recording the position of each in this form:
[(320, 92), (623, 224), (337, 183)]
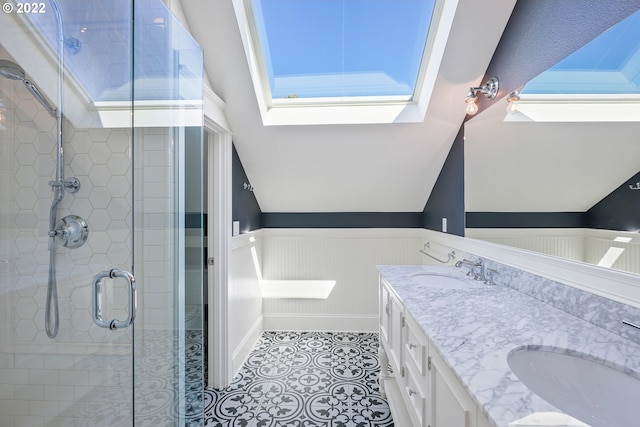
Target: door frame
[(219, 222)]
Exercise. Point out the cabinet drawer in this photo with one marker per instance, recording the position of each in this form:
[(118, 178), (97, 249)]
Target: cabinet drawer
[(416, 347), (416, 397)]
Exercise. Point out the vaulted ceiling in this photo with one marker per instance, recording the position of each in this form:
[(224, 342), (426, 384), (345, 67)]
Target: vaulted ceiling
[(346, 167), (394, 166)]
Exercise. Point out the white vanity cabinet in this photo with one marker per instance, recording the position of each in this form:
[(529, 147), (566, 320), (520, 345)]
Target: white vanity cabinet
[(451, 404), (421, 389), (414, 372), (391, 324)]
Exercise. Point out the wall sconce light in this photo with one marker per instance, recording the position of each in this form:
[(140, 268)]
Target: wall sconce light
[(512, 101), (489, 89), (247, 187)]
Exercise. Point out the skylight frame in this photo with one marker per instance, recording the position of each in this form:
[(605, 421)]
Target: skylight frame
[(348, 110), (575, 108), (557, 95)]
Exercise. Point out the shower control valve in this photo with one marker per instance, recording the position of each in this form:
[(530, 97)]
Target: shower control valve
[(71, 185), (70, 232)]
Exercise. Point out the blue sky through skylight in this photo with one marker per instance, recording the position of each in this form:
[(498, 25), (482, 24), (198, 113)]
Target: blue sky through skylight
[(342, 48), (609, 64)]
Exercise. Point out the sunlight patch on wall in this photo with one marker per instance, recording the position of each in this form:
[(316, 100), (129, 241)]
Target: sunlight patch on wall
[(610, 257)]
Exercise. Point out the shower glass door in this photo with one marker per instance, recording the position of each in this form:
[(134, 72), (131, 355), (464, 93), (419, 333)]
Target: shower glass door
[(100, 117)]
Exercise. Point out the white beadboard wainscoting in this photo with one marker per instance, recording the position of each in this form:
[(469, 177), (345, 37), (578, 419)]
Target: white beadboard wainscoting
[(622, 248), (348, 256), (626, 245), (244, 297), (566, 243)]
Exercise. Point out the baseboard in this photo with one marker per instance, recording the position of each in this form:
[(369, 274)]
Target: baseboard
[(241, 352), (320, 322)]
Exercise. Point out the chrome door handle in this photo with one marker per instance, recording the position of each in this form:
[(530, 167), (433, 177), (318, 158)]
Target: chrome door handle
[(97, 299)]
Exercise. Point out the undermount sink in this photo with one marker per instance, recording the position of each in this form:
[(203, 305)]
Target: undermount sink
[(440, 281), (591, 391)]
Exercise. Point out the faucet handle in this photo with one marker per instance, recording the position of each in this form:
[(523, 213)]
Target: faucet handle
[(489, 276)]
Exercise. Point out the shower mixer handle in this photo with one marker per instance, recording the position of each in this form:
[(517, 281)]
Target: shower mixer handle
[(98, 299)]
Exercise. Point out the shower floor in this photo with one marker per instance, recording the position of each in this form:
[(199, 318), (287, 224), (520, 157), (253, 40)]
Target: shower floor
[(304, 379)]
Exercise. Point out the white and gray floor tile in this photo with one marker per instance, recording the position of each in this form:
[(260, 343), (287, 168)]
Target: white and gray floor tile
[(304, 379)]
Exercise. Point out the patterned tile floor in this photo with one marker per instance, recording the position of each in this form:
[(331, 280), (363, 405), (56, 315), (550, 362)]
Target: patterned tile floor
[(304, 379)]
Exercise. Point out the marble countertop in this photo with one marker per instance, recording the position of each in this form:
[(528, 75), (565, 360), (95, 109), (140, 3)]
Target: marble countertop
[(474, 329)]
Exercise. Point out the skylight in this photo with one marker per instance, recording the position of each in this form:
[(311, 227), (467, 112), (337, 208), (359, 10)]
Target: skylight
[(98, 50), (340, 50), (608, 65)]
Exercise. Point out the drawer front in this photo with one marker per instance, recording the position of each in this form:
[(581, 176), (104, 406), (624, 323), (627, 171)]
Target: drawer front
[(416, 347), (415, 396)]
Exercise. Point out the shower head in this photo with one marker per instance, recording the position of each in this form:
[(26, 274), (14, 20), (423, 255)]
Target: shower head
[(12, 71)]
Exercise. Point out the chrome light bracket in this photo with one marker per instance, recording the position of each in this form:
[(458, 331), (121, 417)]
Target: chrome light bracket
[(491, 87)]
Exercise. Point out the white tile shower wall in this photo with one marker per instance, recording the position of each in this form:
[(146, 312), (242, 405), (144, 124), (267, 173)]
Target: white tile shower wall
[(43, 382), (600, 311), (348, 256), (156, 240), (155, 210)]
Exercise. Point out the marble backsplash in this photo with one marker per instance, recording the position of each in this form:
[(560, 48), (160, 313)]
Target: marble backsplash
[(598, 310)]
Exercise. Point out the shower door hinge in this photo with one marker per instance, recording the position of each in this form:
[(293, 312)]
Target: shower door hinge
[(211, 261), (429, 363)]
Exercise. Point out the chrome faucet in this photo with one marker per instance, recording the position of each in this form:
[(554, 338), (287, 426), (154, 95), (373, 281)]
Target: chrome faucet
[(489, 275), (472, 268), (466, 262), (484, 274)]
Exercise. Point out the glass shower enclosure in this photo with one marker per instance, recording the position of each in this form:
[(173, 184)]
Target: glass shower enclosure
[(101, 319)]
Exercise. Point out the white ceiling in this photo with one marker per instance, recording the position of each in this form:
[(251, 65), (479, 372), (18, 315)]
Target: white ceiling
[(345, 168)]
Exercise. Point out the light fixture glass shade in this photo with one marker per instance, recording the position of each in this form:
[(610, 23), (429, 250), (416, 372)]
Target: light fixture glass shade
[(512, 102), (472, 107)]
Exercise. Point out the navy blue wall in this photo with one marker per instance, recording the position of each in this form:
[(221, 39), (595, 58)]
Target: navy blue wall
[(525, 219), (245, 206), (620, 210), (447, 198), (342, 220)]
